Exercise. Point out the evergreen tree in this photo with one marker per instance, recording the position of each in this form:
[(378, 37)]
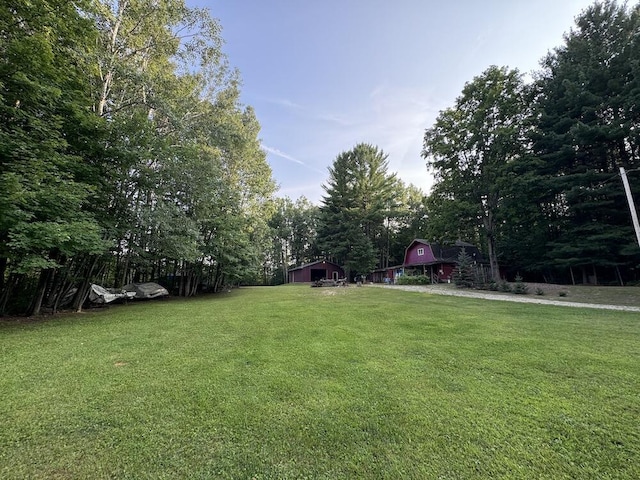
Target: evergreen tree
[(589, 90), (464, 272), (358, 194)]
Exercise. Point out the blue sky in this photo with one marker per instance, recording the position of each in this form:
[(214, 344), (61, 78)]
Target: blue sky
[(325, 75)]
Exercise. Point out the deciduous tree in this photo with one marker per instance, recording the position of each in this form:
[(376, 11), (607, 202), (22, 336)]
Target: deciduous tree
[(46, 132), (469, 149)]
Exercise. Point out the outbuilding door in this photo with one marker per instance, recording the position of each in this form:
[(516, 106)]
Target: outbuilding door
[(318, 274)]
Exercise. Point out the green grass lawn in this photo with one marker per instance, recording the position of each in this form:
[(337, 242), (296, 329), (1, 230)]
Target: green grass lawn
[(299, 382)]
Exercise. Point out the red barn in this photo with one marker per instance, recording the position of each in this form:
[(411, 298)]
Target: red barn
[(436, 260), (314, 271)]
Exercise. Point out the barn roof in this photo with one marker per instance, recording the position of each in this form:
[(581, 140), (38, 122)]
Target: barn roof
[(311, 264), (449, 253), (446, 253)]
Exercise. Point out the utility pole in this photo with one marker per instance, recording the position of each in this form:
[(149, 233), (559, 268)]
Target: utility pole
[(632, 206)]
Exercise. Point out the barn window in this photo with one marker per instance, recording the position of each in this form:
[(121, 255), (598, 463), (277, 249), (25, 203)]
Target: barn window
[(421, 251)]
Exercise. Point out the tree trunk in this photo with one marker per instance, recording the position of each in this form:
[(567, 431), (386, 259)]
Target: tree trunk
[(195, 284), (181, 284), (107, 78), (491, 245), (6, 292), (493, 259), (60, 288), (187, 286), (85, 286), (3, 269), (36, 304), (284, 268), (218, 278), (125, 272)]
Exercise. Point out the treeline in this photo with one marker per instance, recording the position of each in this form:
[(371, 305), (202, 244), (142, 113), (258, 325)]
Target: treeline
[(365, 221), (528, 171), (125, 154), (531, 170)]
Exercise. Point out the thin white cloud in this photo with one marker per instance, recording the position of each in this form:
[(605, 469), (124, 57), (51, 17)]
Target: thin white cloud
[(281, 154), (393, 119), (284, 102), (377, 91), (286, 156), (308, 113), (337, 119)]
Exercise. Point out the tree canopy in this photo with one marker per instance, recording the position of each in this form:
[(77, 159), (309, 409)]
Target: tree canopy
[(532, 169), (587, 128), (359, 195), (470, 149), (125, 153)]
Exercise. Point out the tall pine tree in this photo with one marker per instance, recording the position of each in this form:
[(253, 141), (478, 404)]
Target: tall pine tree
[(359, 193), (588, 127)]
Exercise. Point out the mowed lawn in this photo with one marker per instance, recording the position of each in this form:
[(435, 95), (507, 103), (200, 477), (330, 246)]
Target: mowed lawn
[(297, 382)]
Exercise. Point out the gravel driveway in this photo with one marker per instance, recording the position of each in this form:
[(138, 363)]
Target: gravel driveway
[(445, 290)]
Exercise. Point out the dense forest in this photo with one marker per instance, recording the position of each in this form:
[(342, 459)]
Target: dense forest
[(532, 170), (526, 170), (127, 156), (125, 153)]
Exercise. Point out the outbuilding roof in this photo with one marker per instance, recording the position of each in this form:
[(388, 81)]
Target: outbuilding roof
[(310, 264)]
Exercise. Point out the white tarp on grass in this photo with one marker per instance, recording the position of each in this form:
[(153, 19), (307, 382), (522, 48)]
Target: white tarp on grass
[(146, 290), (99, 294)]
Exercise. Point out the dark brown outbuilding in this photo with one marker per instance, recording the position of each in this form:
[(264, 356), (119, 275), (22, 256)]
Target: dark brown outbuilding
[(314, 271)]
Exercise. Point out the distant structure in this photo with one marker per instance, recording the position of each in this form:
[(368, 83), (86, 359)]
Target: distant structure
[(435, 260), (420, 258), (314, 271), (424, 258)]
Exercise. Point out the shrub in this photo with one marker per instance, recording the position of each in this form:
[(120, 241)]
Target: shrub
[(503, 286), (463, 274), (414, 280), (487, 286), (539, 291), (562, 293), (520, 287)]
